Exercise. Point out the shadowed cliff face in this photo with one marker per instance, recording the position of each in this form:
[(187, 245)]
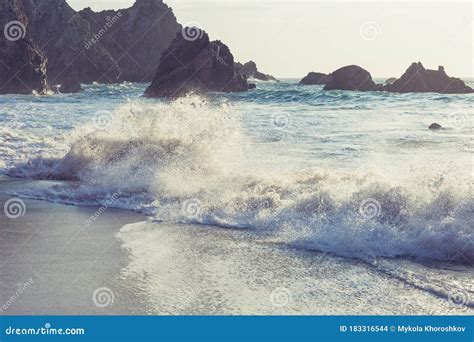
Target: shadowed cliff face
[(135, 37), (22, 64), (86, 47), (196, 65), (61, 33)]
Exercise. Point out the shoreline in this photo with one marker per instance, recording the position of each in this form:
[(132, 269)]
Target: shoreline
[(125, 264), (52, 263)]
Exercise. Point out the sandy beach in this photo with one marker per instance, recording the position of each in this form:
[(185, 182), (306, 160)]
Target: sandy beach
[(57, 262)]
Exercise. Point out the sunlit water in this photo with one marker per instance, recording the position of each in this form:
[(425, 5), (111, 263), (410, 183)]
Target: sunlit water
[(352, 174)]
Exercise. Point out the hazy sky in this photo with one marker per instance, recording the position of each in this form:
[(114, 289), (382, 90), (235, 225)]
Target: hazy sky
[(290, 38)]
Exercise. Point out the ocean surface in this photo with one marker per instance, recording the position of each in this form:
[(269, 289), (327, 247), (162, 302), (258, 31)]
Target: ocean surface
[(355, 176)]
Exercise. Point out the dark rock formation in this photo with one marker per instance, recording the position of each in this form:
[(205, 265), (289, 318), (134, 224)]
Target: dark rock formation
[(70, 86), (86, 47), (250, 70), (351, 77), (390, 80), (252, 86), (135, 37), (22, 64), (420, 80), (435, 126), (315, 78), (196, 65), (62, 35)]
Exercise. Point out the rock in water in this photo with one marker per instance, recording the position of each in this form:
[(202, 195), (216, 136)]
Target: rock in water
[(135, 37), (23, 65), (315, 78), (250, 70), (435, 126), (351, 77), (194, 64), (417, 79)]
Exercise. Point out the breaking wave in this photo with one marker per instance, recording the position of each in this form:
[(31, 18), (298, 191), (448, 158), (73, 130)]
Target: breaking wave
[(184, 161)]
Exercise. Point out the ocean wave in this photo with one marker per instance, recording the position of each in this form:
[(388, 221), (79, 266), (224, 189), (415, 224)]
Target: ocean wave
[(183, 161)]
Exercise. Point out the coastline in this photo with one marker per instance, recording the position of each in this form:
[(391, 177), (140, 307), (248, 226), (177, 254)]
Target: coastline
[(52, 262), (125, 264)]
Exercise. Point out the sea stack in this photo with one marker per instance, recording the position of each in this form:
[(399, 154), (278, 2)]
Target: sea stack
[(351, 77), (417, 79), (194, 64)]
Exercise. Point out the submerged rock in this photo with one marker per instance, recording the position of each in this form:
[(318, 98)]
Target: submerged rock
[(435, 126), (23, 65), (417, 79), (351, 77), (315, 78), (196, 65), (250, 70)]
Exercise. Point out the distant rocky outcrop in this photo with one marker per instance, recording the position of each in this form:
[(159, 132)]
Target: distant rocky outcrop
[(315, 78), (22, 64), (196, 65), (134, 37), (390, 80), (351, 77), (250, 70), (417, 79)]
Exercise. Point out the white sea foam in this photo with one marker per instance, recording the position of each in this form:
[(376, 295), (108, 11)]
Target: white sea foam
[(184, 162)]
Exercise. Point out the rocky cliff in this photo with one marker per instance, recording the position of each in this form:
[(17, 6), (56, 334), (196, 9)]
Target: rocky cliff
[(135, 37), (195, 64), (61, 34), (22, 64)]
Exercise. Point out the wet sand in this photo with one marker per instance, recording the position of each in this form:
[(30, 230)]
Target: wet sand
[(51, 262)]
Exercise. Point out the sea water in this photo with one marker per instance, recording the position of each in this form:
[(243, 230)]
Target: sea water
[(356, 175)]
